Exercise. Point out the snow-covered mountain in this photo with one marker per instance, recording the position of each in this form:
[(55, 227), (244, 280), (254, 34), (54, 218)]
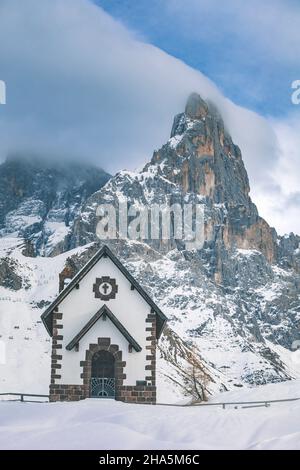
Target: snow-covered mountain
[(39, 199), (233, 305)]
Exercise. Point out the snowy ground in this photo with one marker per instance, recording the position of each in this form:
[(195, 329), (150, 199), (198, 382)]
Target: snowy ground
[(106, 424)]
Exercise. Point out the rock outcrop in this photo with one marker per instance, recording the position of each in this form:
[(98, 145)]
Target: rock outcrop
[(9, 276), (201, 158)]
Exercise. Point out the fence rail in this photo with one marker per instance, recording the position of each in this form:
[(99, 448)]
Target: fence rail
[(22, 395), (252, 404), (249, 404)]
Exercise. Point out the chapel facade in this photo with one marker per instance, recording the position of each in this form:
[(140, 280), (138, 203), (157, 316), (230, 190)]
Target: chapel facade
[(104, 329)]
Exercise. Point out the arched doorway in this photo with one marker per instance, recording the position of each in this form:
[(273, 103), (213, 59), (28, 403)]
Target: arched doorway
[(103, 375)]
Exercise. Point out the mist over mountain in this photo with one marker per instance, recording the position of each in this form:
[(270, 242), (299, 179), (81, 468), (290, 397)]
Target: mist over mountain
[(40, 198), (93, 88)]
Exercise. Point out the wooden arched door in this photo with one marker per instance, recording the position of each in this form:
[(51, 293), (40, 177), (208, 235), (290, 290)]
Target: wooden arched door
[(103, 375)]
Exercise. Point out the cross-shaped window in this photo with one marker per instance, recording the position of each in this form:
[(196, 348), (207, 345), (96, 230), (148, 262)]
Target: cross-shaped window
[(105, 287)]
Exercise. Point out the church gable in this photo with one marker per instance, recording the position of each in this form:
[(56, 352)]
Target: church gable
[(104, 288)]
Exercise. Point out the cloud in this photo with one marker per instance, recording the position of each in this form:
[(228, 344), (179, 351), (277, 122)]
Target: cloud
[(80, 84), (252, 22), (281, 202), (248, 48), (77, 81)]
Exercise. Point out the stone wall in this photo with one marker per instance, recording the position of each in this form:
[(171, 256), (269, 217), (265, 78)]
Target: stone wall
[(67, 392), (138, 394)]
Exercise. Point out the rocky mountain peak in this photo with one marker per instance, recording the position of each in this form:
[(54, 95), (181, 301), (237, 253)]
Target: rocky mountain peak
[(196, 107), (201, 158)]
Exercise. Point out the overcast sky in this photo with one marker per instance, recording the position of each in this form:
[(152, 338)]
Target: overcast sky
[(82, 83)]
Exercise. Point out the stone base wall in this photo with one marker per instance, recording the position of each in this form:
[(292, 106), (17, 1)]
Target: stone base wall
[(67, 392), (137, 394), (128, 394)]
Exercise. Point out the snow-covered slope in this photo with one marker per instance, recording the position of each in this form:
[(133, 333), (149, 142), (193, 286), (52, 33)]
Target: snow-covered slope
[(80, 425), (26, 347), (201, 323)]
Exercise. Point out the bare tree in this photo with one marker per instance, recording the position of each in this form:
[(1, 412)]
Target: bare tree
[(196, 379)]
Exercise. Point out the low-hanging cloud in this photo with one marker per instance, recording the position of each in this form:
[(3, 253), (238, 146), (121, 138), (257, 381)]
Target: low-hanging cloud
[(79, 84), (281, 204)]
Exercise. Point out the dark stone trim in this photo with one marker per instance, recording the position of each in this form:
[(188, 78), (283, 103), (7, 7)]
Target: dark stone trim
[(141, 383), (103, 344), (150, 367), (55, 358), (108, 280)]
